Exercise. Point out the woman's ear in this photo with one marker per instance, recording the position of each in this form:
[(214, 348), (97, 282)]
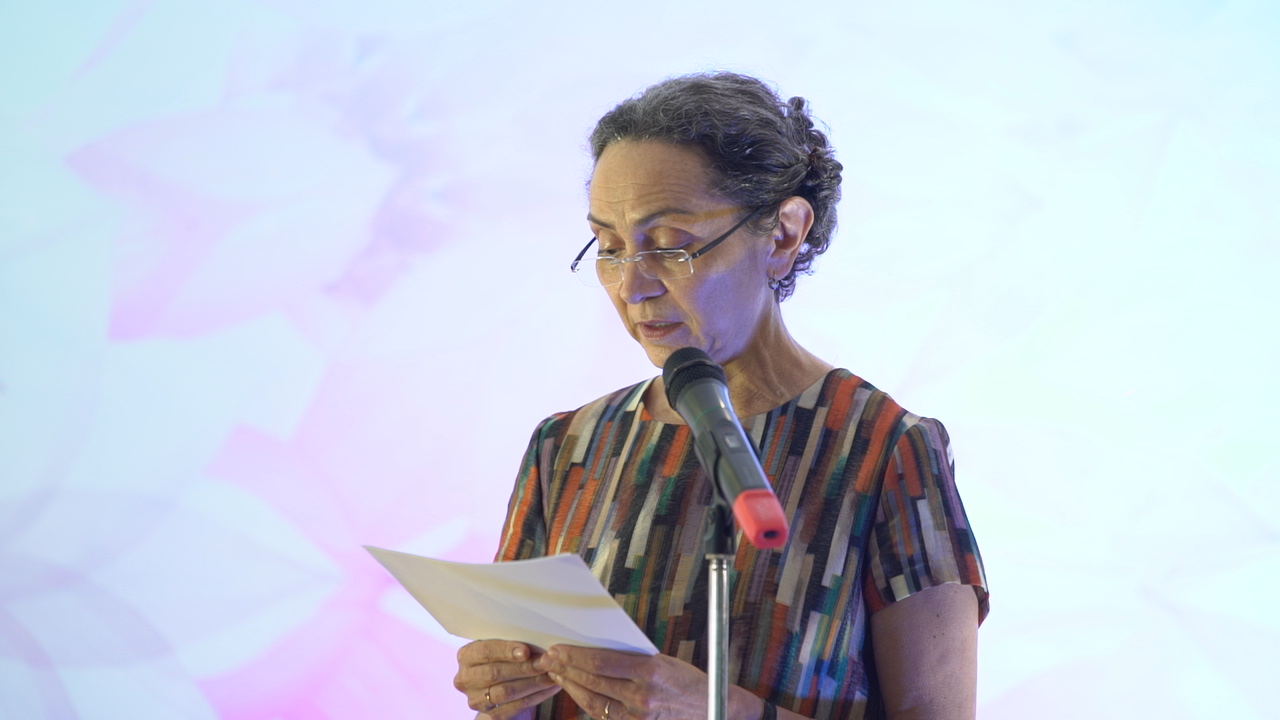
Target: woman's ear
[(795, 218)]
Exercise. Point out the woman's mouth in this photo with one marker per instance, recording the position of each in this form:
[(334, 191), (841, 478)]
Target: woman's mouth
[(657, 330)]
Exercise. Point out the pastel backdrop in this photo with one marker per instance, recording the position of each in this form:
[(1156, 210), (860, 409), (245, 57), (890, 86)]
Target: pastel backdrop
[(279, 279)]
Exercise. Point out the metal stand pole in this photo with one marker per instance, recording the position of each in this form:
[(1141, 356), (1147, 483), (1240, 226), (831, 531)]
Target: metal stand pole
[(719, 546)]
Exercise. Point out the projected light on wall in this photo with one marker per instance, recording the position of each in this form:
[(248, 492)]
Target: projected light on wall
[(277, 281)]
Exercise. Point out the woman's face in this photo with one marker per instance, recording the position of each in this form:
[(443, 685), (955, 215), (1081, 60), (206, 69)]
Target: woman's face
[(650, 195)]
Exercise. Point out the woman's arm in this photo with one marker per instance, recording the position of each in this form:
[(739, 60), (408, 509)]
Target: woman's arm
[(926, 650)]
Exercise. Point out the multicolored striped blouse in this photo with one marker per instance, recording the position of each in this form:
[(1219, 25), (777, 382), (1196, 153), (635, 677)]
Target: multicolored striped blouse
[(874, 516)]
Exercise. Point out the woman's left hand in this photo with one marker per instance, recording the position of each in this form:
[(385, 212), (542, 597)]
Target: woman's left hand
[(614, 685)]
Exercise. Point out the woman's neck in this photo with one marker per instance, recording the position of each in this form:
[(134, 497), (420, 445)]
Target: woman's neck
[(773, 371)]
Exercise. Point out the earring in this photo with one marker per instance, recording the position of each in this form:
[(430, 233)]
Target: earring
[(774, 283)]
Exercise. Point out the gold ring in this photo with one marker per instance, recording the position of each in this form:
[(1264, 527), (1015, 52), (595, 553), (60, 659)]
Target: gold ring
[(488, 700), (607, 703)]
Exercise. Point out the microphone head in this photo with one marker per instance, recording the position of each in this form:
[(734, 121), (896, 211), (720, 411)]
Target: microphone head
[(683, 367)]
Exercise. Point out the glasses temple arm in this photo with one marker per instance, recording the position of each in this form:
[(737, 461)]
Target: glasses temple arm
[(706, 248), (574, 265)]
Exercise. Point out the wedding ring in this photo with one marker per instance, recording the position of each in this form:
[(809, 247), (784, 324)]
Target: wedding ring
[(607, 703), (488, 700)]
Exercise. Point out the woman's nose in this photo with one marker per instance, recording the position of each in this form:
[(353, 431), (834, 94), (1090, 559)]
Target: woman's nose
[(637, 286)]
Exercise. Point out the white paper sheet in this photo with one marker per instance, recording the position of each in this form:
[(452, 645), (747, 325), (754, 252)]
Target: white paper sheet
[(544, 601)]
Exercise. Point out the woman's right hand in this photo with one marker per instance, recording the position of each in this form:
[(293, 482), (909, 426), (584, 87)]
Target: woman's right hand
[(499, 679)]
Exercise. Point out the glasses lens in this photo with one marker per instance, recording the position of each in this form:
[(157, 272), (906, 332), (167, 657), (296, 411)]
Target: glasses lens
[(665, 264), (588, 272), (605, 271), (608, 271)]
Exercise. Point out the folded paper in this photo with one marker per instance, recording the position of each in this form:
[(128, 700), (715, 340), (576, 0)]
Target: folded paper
[(543, 601)]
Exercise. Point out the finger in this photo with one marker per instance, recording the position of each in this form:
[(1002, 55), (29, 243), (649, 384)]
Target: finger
[(477, 680), (494, 673), (600, 684), (598, 661), (508, 692), (488, 651), (592, 702), (514, 708), (480, 676)]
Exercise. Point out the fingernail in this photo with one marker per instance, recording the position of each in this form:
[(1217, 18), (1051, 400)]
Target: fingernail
[(518, 653), (556, 677)]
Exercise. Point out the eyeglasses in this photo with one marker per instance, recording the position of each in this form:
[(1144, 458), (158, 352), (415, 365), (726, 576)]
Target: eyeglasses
[(655, 264)]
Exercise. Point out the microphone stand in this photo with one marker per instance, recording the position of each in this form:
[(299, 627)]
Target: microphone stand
[(720, 546)]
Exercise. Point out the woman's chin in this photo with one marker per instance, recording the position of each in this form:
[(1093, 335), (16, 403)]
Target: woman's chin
[(658, 354)]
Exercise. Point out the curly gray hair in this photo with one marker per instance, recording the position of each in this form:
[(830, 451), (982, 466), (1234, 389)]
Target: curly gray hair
[(760, 150)]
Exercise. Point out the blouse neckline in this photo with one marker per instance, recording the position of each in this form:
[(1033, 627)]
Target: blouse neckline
[(646, 416)]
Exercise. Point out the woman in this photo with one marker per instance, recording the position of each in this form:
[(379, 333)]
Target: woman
[(708, 197)]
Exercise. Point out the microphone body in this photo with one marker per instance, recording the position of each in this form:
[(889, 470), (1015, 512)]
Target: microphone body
[(697, 389)]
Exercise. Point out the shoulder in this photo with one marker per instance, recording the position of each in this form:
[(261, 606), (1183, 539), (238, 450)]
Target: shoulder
[(851, 401), (845, 395), (606, 408)]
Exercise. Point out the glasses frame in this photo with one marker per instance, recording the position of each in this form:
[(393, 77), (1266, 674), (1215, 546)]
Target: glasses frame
[(576, 265)]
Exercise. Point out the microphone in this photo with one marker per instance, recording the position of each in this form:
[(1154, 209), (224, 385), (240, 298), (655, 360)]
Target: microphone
[(697, 389)]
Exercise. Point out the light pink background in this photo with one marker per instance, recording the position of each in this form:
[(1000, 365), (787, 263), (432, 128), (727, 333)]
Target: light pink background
[(280, 279)]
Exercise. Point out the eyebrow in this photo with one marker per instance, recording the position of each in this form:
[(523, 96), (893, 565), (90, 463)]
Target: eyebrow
[(646, 220)]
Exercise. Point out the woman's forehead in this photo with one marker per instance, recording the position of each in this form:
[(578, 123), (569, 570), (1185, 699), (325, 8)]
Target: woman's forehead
[(641, 182)]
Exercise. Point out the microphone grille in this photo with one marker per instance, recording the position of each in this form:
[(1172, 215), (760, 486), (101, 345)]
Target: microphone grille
[(685, 366)]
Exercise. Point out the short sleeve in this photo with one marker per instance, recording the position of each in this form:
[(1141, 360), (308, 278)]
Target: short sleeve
[(921, 535), (524, 534)]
